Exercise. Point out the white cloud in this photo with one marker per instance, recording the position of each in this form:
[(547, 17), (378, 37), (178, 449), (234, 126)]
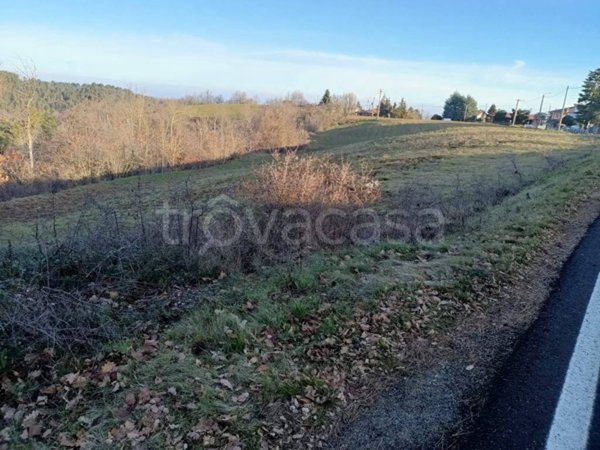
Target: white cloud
[(177, 64)]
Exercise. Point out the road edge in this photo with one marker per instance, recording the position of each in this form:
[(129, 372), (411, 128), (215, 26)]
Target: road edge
[(455, 388)]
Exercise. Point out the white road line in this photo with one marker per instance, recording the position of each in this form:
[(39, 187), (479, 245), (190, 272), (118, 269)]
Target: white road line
[(573, 415)]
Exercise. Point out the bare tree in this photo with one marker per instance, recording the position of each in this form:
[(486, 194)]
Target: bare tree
[(240, 97), (348, 102), (297, 98), (26, 95)]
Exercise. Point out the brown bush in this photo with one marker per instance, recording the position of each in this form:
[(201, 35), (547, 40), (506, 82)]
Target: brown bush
[(278, 126), (96, 139), (13, 167), (294, 180), (321, 117)]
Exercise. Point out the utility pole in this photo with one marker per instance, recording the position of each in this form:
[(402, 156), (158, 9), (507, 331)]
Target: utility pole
[(562, 113), (514, 118), (541, 106), (379, 103), (542, 103)]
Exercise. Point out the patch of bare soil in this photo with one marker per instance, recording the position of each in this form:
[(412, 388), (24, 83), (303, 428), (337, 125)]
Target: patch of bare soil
[(438, 402)]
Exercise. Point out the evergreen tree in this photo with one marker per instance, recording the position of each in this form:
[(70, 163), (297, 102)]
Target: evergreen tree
[(588, 106), (385, 107), (492, 112), (522, 116), (6, 135), (568, 121), (401, 111), (326, 99), (500, 117)]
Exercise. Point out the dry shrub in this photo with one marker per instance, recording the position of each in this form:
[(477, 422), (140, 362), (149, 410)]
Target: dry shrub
[(50, 318), (97, 139), (214, 138), (278, 126), (293, 180), (322, 117), (13, 167)]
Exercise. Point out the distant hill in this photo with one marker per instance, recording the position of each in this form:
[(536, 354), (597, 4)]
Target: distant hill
[(55, 95)]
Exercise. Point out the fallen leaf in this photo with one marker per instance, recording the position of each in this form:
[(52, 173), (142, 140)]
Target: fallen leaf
[(226, 383), (150, 346), (242, 398), (72, 403), (118, 433), (31, 426), (70, 378), (86, 421), (144, 395), (108, 367), (8, 412), (130, 399), (51, 390), (66, 441)]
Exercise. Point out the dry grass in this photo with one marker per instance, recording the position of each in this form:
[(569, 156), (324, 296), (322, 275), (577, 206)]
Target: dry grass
[(292, 180)]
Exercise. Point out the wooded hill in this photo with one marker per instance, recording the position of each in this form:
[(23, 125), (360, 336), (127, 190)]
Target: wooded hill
[(54, 95)]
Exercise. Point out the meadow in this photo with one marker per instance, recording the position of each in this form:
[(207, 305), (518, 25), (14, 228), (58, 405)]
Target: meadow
[(236, 350)]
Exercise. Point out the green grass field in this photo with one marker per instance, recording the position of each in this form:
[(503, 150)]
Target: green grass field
[(272, 358)]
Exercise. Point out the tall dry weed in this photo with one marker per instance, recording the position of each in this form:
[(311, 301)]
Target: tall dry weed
[(291, 180)]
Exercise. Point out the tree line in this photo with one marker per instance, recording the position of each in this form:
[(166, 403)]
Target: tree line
[(460, 107), (464, 108), (397, 110), (53, 95)]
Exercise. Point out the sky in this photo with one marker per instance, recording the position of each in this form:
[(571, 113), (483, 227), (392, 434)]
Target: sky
[(496, 51)]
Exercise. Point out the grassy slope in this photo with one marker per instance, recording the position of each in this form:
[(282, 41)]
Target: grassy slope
[(267, 357), (18, 216), (385, 147)]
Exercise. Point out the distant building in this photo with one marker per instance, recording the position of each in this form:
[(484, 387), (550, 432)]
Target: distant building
[(482, 116), (570, 111), (367, 112)]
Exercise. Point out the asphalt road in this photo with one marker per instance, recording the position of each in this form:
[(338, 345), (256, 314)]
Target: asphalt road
[(547, 396)]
